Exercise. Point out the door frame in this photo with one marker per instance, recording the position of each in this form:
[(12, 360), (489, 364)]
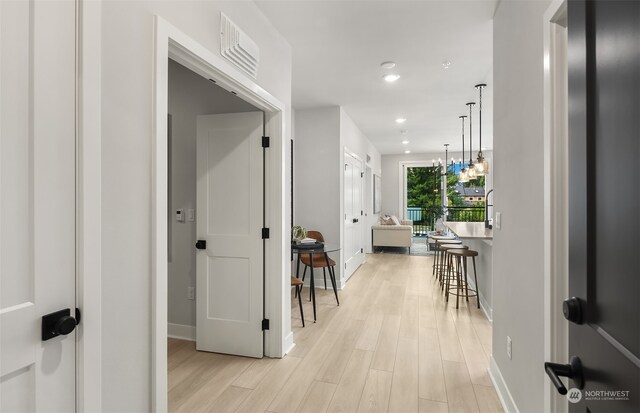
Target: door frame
[(89, 205), (170, 42), (556, 225), (402, 182)]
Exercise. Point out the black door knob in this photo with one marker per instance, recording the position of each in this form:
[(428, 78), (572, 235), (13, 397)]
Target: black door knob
[(65, 325), (59, 323), (573, 370), (201, 244), (572, 310)]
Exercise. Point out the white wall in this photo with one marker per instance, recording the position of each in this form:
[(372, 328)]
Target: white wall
[(190, 95), (317, 171), (127, 66), (518, 247), (321, 135), (356, 142), (391, 188)]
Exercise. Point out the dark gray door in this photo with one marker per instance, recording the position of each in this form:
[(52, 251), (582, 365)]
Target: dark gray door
[(604, 202)]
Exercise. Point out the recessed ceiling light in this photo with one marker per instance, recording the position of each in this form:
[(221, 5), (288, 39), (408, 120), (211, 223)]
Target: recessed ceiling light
[(401, 120), (391, 77), (388, 64), (446, 64), (407, 151), (405, 142)]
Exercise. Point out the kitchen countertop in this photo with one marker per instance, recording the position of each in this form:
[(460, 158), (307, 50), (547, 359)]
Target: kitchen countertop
[(470, 230)]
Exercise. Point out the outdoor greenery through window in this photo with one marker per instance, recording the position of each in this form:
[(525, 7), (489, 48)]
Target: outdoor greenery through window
[(426, 203)]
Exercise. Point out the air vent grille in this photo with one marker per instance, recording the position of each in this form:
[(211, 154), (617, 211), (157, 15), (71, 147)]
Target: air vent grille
[(237, 47)]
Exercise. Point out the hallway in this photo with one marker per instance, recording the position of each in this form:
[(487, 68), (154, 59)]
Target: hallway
[(393, 345)]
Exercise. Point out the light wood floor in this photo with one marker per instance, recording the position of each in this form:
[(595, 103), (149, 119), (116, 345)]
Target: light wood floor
[(393, 345)]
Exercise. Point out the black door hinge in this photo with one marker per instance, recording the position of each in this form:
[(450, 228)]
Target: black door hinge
[(265, 141), (361, 174), (361, 212), (361, 251), (265, 324), (265, 233)]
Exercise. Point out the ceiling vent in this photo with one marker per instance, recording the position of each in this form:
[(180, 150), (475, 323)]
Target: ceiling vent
[(237, 47)]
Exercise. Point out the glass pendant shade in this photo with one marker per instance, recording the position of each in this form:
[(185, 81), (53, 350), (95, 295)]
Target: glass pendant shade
[(481, 166), (471, 173), (463, 176)]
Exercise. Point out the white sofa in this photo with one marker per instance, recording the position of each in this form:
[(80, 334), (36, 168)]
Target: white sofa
[(393, 235)]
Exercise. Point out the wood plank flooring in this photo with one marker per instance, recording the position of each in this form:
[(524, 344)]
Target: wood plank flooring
[(393, 345)]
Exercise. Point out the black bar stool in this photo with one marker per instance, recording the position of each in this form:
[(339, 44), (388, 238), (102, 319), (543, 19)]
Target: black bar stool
[(438, 263), (462, 285), (445, 276)]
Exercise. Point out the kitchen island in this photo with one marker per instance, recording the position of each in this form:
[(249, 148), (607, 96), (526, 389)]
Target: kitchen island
[(478, 238)]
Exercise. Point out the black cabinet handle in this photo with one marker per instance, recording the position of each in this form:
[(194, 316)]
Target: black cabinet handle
[(573, 370)]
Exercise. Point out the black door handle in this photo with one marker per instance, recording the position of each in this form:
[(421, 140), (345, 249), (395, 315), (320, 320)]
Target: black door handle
[(573, 370), (201, 244), (59, 323), (355, 220)]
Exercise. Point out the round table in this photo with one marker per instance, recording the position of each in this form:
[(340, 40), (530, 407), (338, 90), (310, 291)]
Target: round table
[(324, 249)]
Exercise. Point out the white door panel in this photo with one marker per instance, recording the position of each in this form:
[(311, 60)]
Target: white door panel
[(353, 243), (230, 207), (37, 203)]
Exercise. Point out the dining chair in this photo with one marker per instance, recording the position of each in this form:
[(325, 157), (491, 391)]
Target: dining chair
[(297, 283), (318, 260)]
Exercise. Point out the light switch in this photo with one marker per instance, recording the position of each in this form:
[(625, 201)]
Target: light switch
[(191, 215), (180, 215), (498, 220)]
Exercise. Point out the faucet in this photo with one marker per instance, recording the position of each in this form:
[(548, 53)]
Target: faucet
[(487, 223)]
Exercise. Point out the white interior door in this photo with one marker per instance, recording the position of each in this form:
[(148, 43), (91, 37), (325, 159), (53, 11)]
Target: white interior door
[(37, 203), (230, 220), (353, 214)]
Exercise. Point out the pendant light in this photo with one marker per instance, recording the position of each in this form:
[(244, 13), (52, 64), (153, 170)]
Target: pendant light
[(446, 167), (463, 176), (446, 156), (482, 165), (471, 170), (435, 176)]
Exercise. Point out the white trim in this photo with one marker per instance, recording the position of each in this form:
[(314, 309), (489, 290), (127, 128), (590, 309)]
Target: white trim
[(172, 43), (89, 187), (288, 343), (555, 200), (181, 331), (506, 399), (402, 174)]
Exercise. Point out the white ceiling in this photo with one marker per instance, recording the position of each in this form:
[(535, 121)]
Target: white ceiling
[(338, 47)]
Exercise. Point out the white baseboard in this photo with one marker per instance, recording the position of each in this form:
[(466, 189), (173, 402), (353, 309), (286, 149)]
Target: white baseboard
[(181, 331), (508, 404), (288, 343), (484, 304)]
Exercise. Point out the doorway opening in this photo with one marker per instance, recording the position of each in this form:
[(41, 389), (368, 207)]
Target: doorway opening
[(173, 44), (210, 197)]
